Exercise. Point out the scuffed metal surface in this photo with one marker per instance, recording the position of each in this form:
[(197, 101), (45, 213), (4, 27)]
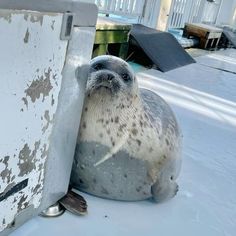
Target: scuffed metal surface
[(6, 172), (27, 159), (34, 18), (28, 16), (40, 86), (26, 38), (48, 121), (31, 69), (5, 15)]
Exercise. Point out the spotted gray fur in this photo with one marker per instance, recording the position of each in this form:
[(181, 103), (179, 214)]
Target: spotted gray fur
[(129, 144)]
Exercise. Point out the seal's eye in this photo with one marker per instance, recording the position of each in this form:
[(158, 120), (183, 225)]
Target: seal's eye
[(97, 66), (126, 77)]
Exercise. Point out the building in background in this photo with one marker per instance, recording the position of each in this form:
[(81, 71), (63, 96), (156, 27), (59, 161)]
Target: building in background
[(165, 14)]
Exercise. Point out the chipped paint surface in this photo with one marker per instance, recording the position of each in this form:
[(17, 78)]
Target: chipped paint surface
[(6, 16), (6, 172), (40, 86), (26, 38), (30, 83), (34, 18), (48, 121)]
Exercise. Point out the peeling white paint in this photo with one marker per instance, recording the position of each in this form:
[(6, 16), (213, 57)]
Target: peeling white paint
[(30, 68)]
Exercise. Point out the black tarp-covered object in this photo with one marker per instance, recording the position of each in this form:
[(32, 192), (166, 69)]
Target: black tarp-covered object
[(160, 47)]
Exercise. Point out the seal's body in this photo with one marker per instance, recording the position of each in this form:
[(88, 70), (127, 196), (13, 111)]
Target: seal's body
[(129, 143)]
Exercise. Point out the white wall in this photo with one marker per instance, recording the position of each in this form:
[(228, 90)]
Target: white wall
[(226, 13), (233, 21)]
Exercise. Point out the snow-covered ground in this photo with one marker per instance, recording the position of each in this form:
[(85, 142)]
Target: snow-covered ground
[(204, 101)]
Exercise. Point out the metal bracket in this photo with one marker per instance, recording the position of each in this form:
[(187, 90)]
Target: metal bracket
[(67, 25)]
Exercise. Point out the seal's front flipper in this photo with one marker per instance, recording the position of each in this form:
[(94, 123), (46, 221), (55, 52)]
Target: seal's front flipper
[(164, 190), (74, 203)]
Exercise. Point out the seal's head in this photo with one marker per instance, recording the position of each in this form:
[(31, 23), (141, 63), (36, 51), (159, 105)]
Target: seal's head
[(110, 75)]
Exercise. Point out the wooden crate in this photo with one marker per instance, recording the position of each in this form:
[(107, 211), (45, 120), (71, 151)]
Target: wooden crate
[(209, 35), (111, 34)]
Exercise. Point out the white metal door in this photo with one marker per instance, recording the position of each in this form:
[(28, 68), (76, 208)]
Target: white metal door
[(31, 61)]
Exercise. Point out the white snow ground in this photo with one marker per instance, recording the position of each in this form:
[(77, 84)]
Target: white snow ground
[(204, 101)]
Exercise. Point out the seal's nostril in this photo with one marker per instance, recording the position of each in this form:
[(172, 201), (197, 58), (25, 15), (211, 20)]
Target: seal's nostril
[(110, 77)]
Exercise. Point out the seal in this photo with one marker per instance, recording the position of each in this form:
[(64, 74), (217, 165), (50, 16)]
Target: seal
[(129, 142)]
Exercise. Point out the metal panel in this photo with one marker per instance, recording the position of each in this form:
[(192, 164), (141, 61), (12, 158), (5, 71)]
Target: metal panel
[(85, 13), (41, 100), (69, 110), (31, 68)]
